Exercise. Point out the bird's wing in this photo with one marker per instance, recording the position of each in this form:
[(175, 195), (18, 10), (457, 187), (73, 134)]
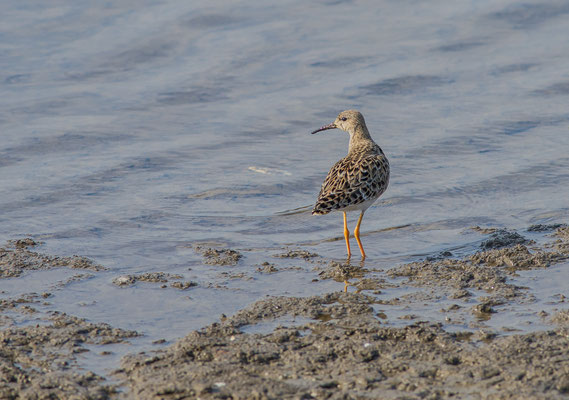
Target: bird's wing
[(352, 181)]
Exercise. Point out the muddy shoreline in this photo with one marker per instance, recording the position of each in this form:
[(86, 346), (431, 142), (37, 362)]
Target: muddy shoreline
[(329, 346)]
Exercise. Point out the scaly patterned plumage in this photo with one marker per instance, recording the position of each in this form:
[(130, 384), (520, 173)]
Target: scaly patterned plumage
[(357, 180), (354, 182)]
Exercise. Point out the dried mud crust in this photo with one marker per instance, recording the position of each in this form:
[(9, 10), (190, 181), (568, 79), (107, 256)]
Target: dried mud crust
[(37, 362), (17, 258), (347, 353)]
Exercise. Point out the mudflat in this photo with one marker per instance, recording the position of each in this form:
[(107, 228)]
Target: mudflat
[(328, 346)]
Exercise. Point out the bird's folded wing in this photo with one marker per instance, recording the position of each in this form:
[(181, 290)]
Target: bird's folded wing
[(352, 181)]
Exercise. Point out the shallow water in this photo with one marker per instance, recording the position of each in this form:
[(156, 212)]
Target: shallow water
[(132, 132)]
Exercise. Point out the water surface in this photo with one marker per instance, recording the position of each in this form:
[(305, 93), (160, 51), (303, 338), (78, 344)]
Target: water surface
[(132, 132)]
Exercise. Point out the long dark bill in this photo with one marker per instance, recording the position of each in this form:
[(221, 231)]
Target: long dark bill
[(325, 127)]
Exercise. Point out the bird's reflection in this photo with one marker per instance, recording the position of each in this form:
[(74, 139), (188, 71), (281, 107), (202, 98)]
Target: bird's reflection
[(347, 271), (343, 271)]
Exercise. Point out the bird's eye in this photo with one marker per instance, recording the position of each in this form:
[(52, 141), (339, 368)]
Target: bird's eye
[(343, 118)]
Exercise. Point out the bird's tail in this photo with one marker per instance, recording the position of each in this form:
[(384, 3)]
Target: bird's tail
[(320, 209)]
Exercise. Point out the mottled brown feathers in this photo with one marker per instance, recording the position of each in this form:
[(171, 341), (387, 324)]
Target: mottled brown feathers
[(354, 182), (358, 179)]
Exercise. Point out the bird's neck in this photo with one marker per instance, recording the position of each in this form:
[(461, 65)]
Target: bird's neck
[(360, 139)]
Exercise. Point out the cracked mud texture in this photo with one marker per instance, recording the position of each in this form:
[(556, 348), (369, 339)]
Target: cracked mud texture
[(348, 354), (37, 362)]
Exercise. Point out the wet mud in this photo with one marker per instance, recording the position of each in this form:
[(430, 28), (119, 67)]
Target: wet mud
[(223, 257), (38, 351), (16, 258), (342, 347), (39, 361), (161, 278), (339, 345), (346, 352), (171, 141)]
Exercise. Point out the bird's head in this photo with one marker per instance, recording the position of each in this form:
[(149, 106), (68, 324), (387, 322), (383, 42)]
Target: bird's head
[(347, 121)]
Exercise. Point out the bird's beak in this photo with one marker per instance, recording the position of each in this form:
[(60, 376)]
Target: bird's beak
[(325, 127)]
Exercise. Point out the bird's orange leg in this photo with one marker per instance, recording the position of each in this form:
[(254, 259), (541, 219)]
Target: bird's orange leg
[(347, 235), (357, 235)]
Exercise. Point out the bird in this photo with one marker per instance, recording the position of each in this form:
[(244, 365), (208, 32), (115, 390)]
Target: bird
[(356, 181)]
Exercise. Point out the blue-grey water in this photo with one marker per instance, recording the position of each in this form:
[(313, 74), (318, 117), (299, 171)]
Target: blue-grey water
[(132, 132)]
